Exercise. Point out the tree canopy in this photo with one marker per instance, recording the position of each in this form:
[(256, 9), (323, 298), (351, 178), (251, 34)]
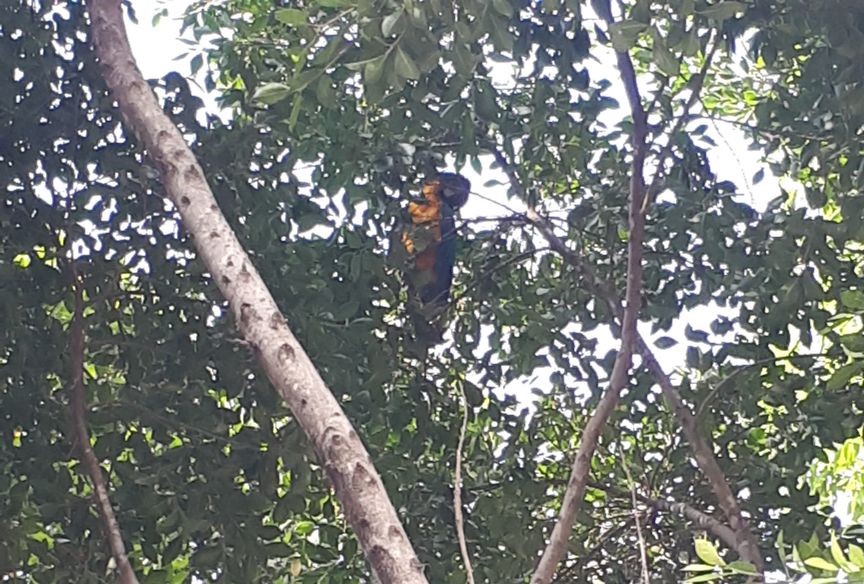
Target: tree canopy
[(332, 113)]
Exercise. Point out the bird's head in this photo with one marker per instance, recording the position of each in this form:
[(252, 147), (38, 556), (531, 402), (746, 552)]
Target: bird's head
[(453, 188)]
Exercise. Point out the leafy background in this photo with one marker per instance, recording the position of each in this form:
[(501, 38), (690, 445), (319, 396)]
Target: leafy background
[(331, 113)]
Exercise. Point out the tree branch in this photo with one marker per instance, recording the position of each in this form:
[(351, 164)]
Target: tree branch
[(457, 494), (78, 406), (745, 542), (637, 519), (745, 545), (700, 518), (575, 491), (347, 463)]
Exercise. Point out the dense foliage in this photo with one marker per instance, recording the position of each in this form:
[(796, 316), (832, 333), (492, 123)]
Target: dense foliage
[(337, 110)]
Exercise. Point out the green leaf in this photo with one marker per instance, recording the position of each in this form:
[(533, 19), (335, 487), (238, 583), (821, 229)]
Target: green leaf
[(852, 299), (842, 376), (292, 17), (853, 342), (820, 564), (325, 93), (665, 342), (503, 7), (723, 10), (757, 178), (374, 69), (388, 24), (838, 556), (741, 567), (463, 59), (665, 59), (704, 578), (697, 568), (335, 3), (856, 555), (708, 553), (271, 93), (624, 34), (405, 66)]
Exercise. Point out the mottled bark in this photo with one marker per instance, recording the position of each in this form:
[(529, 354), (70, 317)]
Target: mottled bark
[(340, 450)]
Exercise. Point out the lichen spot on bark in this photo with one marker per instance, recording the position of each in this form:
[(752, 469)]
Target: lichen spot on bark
[(214, 235), (184, 200), (286, 353), (394, 533), (225, 280), (245, 276), (362, 476), (276, 320), (191, 173), (246, 313), (335, 445), (382, 559)]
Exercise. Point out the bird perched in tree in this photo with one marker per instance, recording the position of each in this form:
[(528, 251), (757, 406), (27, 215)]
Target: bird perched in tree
[(431, 237)]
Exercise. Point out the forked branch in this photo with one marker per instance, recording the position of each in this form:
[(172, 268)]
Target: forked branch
[(575, 491)]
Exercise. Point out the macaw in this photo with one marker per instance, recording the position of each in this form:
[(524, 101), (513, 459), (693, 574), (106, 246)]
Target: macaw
[(431, 239)]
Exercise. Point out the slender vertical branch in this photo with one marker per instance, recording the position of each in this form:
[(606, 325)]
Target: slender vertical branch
[(457, 494), (78, 406), (575, 491), (740, 538), (637, 519), (344, 458)]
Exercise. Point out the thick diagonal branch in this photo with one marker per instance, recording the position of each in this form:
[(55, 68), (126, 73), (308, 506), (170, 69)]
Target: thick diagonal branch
[(340, 450), (78, 405), (575, 491)]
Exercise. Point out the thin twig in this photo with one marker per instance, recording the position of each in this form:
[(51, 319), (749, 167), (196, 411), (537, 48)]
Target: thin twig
[(718, 388), (457, 493), (78, 405), (695, 92), (637, 519)]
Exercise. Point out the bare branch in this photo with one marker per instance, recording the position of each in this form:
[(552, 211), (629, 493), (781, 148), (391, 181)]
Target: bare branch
[(457, 494), (345, 460), (78, 405), (700, 518), (637, 519), (575, 491)]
